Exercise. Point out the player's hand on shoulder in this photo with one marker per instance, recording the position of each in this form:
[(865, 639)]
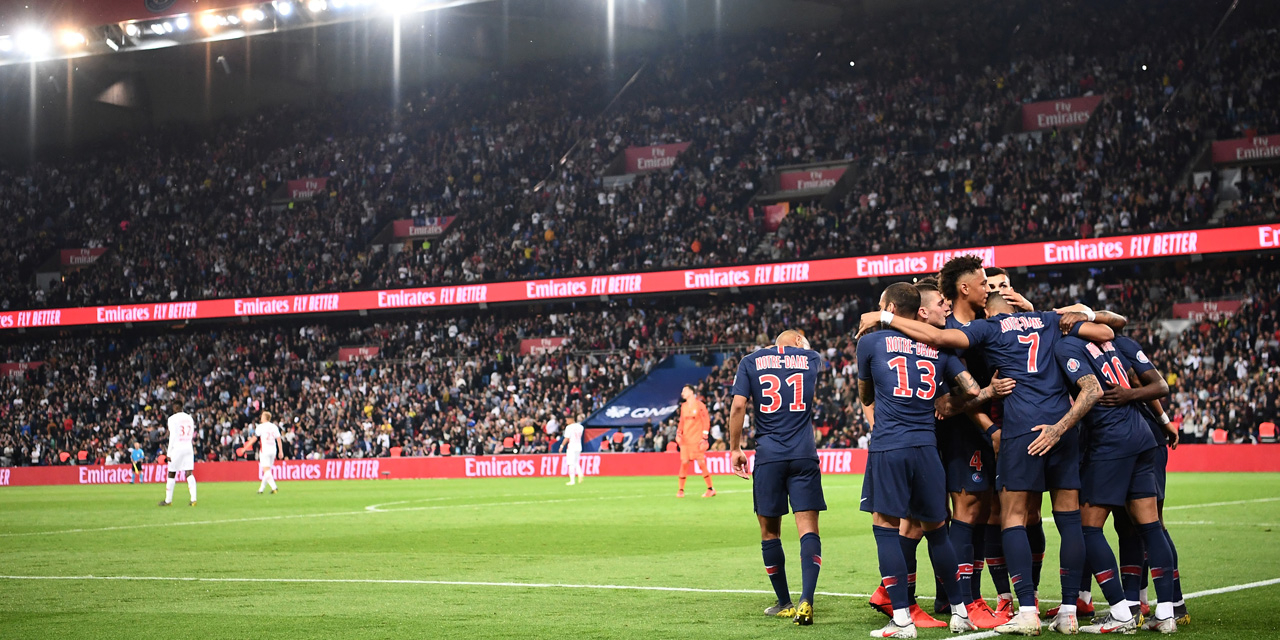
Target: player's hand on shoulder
[(1116, 397), (1049, 436), (1069, 319), (1016, 300), (870, 322)]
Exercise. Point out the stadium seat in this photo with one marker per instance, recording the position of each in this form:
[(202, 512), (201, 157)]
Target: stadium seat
[(395, 451), (672, 448), (1267, 432), (445, 450), (162, 459), (64, 456), (1219, 436), (82, 455)]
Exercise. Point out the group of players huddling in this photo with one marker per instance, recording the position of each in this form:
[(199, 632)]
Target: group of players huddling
[(959, 376)]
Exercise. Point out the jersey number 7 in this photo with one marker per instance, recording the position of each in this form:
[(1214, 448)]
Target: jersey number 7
[(770, 390)]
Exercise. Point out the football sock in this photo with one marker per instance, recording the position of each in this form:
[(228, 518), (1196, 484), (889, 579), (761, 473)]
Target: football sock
[(270, 477), (775, 564), (1017, 555), (1071, 554), (962, 543), (908, 546), (191, 486), (168, 489), (943, 556), (1103, 563), (706, 477), (1161, 558), (1035, 537), (996, 564), (1177, 579), (810, 565), (977, 549), (893, 567), (682, 478), (1131, 559)]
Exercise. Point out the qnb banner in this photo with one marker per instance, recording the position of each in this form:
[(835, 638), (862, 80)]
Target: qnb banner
[(1059, 114), (810, 180), (539, 346), (351, 354), (306, 188), (661, 156), (422, 227), (1255, 149), (79, 257), (1206, 310), (1033, 254)]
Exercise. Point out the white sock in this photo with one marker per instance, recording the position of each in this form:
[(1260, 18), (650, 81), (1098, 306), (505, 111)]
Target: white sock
[(1180, 603), (1144, 595), (1005, 596), (270, 477), (1164, 610), (962, 611), (1086, 597), (262, 485), (168, 489), (901, 617), (191, 486), (1120, 611), (1069, 609)]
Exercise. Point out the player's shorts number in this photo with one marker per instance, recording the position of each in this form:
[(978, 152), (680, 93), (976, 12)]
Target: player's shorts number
[(976, 461), (927, 373), (771, 386)]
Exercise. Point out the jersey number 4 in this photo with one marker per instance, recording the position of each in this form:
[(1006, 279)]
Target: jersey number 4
[(927, 373), (771, 387)]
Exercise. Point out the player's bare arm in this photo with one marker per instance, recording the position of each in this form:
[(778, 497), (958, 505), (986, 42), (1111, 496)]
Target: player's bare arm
[(985, 424), (1091, 331), (1149, 388), (1090, 392), (737, 413), (866, 392), (965, 394), (916, 330)]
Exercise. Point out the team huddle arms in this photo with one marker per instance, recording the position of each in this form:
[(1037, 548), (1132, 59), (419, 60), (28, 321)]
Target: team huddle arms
[(978, 405)]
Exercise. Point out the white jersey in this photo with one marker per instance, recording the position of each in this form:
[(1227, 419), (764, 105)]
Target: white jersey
[(269, 437), (573, 433), (181, 431)]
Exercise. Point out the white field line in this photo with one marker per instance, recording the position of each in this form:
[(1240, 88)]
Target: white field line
[(367, 510)]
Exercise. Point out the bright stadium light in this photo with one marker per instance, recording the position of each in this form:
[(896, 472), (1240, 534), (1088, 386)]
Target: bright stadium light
[(32, 42), (168, 27), (182, 23), (157, 29), (284, 8), (209, 21), (71, 39), (316, 6), (233, 19), (112, 43), (131, 30), (6, 44)]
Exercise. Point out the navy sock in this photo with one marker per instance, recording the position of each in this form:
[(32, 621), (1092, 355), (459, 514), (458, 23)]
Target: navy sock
[(943, 556), (1017, 555), (1131, 559), (1177, 579), (996, 565), (893, 565), (1103, 564), (1035, 537), (1161, 558), (775, 564), (962, 542), (908, 546), (810, 565), (1071, 553), (978, 548), (1086, 573)]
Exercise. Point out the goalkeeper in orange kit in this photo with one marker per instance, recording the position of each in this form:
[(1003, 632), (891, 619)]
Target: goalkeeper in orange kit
[(691, 435)]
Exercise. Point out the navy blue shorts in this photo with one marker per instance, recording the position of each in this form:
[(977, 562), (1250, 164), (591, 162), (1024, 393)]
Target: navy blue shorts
[(970, 462), (906, 483), (1161, 463), (1017, 470), (1113, 482), (800, 480)]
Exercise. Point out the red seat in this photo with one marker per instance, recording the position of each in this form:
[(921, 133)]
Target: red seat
[(446, 449), (1219, 436), (1267, 432), (671, 447), (82, 455), (395, 452), (64, 456)]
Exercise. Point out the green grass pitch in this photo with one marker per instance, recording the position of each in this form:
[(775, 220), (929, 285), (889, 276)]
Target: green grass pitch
[(324, 558)]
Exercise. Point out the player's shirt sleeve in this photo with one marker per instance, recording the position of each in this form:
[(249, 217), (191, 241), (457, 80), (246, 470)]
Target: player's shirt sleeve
[(1073, 360), (979, 332), (866, 349), (741, 382), (951, 367), (1133, 355)]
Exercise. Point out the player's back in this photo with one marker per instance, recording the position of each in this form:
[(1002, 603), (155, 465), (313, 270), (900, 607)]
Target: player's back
[(907, 376), (573, 436), (269, 434), (780, 382), (1021, 346), (1114, 432), (1133, 355), (181, 430)]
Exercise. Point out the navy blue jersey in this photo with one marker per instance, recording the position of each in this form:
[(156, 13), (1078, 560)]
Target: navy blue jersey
[(1114, 432), (907, 375), (780, 382), (1132, 353), (959, 433), (1021, 346)]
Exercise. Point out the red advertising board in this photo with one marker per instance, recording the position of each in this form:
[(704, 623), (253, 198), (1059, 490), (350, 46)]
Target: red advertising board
[(429, 228), (539, 346), (79, 257), (351, 354), (1032, 254), (1206, 310), (661, 156), (774, 214), (810, 180), (306, 188), (1255, 149), (18, 368), (1227, 457), (1059, 114)]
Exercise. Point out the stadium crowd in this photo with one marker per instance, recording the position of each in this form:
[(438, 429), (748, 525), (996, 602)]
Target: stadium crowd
[(924, 127), (459, 384)]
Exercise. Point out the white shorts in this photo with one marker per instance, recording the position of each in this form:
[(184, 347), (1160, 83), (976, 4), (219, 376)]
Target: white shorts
[(182, 460), (266, 458), (572, 458)]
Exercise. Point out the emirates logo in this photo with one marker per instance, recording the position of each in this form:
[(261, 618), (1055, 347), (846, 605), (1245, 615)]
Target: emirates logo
[(157, 6)]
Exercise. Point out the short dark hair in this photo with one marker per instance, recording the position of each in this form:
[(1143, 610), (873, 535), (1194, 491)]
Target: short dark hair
[(951, 272), (905, 297), (927, 281), (996, 271), (923, 286)]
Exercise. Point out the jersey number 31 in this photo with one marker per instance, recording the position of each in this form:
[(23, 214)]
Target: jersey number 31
[(771, 386)]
